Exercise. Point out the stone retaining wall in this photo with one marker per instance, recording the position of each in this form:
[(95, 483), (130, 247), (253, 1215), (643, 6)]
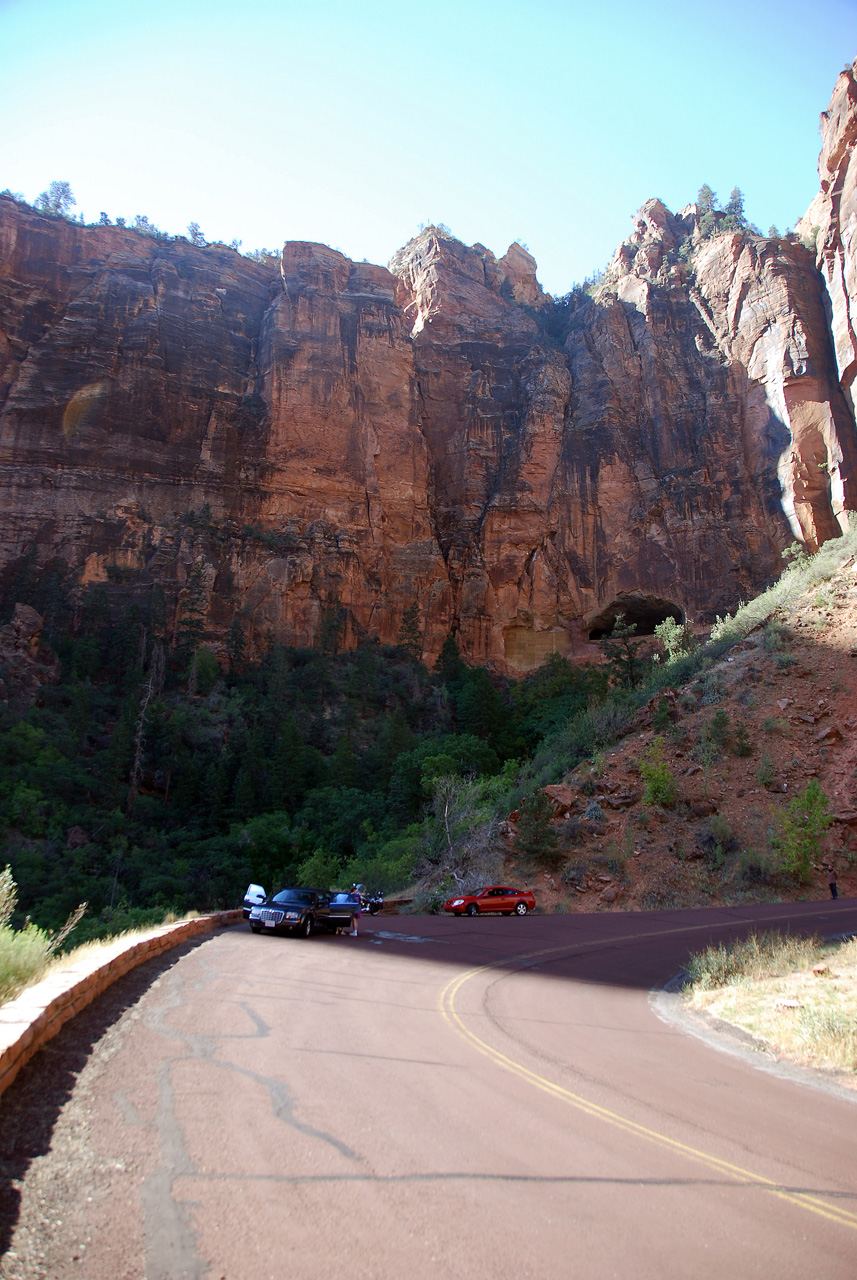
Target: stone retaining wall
[(39, 1012)]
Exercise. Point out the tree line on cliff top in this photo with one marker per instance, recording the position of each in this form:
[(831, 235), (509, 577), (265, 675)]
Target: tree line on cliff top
[(58, 201)]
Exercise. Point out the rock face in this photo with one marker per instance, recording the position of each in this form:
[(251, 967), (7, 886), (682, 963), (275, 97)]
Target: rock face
[(25, 663), (833, 223), (330, 443)]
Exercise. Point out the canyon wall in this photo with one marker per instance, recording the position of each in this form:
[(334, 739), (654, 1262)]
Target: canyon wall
[(331, 442)]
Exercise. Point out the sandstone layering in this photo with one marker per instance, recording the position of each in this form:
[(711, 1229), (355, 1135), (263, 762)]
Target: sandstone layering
[(330, 442)]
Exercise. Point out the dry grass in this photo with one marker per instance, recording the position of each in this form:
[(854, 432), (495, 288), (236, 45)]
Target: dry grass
[(26, 958), (70, 958), (766, 986)]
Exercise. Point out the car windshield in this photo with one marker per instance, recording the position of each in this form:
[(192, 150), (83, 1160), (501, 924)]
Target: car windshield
[(301, 897)]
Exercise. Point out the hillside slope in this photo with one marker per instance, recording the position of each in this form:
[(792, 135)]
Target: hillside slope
[(787, 695)]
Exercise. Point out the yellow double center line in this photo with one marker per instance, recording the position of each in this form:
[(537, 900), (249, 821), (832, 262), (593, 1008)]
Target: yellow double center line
[(735, 1172)]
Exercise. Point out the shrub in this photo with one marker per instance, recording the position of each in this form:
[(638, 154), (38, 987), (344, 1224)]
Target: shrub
[(720, 829), (718, 729), (765, 769), (774, 637), (757, 956), (661, 720), (535, 836), (661, 787), (712, 690), (717, 842), (801, 830), (677, 638), (757, 868), (24, 953), (741, 745), (585, 733)]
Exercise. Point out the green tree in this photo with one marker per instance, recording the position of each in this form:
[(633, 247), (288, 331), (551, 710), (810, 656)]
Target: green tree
[(706, 211), (195, 235), (660, 783), (479, 706), (344, 763), (235, 646), (330, 628), (410, 631), (57, 201), (706, 199), (677, 639), (535, 836), (801, 830), (191, 619), (288, 768), (449, 665), (622, 653), (142, 224), (735, 218)]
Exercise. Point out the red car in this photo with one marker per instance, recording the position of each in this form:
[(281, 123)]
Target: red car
[(495, 898)]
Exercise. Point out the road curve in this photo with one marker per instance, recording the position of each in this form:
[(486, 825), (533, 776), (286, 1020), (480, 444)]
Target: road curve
[(459, 1098)]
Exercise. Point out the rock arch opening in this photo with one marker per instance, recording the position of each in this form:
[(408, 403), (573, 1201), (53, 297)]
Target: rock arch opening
[(646, 611)]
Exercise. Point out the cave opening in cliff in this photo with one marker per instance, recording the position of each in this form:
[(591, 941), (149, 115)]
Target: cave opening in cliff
[(647, 612)]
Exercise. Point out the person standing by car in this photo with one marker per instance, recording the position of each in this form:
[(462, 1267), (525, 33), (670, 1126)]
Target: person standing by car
[(355, 914)]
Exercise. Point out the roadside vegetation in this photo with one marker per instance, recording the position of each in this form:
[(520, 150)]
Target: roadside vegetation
[(798, 996), (26, 953)]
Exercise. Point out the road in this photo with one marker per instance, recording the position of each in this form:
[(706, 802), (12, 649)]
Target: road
[(457, 1098)]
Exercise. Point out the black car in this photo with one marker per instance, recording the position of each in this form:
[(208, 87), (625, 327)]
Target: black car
[(303, 912)]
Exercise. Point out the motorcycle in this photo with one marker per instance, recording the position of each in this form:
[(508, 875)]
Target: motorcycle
[(371, 902)]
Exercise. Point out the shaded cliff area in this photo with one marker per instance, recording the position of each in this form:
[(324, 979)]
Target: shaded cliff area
[(328, 449)]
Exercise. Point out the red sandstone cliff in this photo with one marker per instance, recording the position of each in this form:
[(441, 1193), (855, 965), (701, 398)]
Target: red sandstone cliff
[(352, 439), (832, 221)]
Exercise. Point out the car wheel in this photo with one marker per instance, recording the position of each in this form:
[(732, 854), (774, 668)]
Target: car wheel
[(306, 928), (472, 910), (521, 909)]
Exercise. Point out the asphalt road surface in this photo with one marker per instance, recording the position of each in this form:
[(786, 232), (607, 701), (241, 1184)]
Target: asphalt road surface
[(436, 1098)]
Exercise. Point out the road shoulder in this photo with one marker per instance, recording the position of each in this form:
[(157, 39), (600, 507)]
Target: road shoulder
[(671, 1007)]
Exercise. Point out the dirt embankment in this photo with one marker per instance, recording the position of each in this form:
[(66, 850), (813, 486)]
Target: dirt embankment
[(741, 740)]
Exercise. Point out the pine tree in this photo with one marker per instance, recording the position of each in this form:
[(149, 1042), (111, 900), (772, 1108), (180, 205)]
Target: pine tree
[(535, 837), (622, 653), (288, 768), (235, 646), (706, 211), (410, 631), (735, 219), (479, 705), (449, 665), (191, 621)]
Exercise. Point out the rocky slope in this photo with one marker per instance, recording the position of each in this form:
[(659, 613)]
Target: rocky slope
[(786, 698), (333, 442)]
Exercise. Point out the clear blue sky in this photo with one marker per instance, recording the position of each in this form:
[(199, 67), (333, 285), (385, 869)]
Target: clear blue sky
[(351, 123)]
